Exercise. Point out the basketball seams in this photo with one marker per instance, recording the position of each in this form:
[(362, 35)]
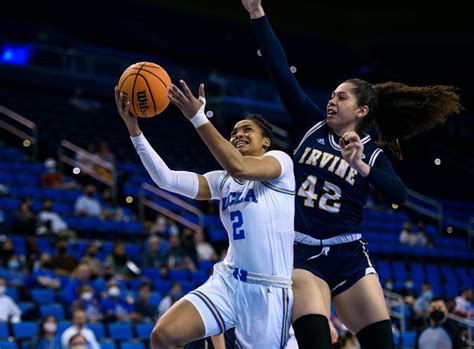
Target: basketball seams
[(133, 89), (123, 83), (156, 76), (149, 92)]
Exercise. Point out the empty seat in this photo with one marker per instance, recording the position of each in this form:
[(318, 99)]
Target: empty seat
[(25, 329), (120, 330)]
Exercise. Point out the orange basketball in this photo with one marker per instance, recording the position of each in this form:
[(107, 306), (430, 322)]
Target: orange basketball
[(145, 85)]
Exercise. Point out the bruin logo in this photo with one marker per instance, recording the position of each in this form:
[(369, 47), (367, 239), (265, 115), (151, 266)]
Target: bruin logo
[(141, 96)]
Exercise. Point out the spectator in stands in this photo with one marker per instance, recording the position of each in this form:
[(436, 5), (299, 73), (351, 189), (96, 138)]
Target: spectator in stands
[(422, 238), (79, 326), (53, 178), (111, 210), (87, 205), (43, 276), (51, 223), (408, 291), (78, 341), (105, 153), (441, 332), (187, 241), (172, 297), (421, 305), (116, 306), (176, 257), (17, 275), (407, 236), (91, 259), (6, 252), (464, 305), (63, 263), (159, 225), (388, 285), (81, 276), (9, 311), (152, 257), (46, 337), (205, 251), (142, 304), (117, 260), (25, 218), (89, 303)]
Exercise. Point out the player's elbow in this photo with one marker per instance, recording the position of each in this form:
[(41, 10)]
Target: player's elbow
[(402, 196)]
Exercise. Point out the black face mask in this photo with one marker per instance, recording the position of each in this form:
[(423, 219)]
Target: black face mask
[(61, 250), (437, 315)]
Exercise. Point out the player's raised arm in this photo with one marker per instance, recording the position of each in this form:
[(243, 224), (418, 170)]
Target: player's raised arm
[(185, 183), (230, 154), (296, 102)]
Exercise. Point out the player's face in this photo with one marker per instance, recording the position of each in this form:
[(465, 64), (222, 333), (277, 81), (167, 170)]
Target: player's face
[(342, 110), (248, 138)]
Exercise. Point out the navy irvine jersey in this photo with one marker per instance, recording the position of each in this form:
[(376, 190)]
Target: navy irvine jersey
[(330, 194)]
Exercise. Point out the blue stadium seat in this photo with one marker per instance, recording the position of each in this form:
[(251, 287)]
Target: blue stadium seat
[(134, 284), (152, 273), (13, 293), (107, 345), (98, 329), (42, 295), (162, 286), (199, 277), (155, 299), (62, 326), (4, 332), (408, 339), (25, 306), (121, 330), (8, 345), (55, 309), (206, 265), (25, 329), (178, 275), (144, 330), (132, 345)]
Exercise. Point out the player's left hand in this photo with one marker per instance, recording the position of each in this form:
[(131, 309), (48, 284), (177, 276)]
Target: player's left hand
[(185, 101), (352, 149)]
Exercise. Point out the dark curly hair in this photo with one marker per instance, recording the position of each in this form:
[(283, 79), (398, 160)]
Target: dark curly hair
[(264, 125), (400, 111)]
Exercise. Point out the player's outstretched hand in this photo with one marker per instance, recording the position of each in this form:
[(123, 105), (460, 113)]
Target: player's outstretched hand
[(351, 148), (254, 8), (185, 101), (123, 108)]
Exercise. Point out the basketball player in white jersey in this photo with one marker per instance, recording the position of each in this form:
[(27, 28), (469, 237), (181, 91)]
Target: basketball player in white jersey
[(251, 289)]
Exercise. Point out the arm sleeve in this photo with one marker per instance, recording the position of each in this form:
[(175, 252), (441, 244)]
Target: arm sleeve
[(383, 179), (180, 182), (304, 112), (215, 180)]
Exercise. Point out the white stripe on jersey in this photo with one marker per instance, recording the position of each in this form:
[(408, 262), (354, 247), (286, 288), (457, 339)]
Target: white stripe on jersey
[(374, 156), (310, 131)]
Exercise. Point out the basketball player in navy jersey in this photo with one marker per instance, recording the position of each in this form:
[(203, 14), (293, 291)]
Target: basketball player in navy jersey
[(337, 166)]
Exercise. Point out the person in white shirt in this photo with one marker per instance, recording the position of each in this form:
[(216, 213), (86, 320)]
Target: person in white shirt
[(79, 327), (87, 204), (251, 289), (204, 249), (9, 311)]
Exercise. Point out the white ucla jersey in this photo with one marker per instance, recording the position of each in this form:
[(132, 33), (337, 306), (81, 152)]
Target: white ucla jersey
[(259, 219)]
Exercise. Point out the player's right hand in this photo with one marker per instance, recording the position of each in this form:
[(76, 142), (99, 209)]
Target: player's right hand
[(123, 108)]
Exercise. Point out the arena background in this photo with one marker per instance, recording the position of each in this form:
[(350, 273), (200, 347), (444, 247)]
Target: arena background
[(59, 63)]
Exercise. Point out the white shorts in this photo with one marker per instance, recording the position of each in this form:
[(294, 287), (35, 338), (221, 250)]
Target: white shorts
[(259, 313)]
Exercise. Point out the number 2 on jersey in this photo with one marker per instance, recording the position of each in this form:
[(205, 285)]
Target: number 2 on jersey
[(237, 222), (332, 192)]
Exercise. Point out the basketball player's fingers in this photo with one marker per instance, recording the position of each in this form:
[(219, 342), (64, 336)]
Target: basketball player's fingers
[(176, 97), (175, 101), (342, 143), (176, 91), (126, 109), (186, 89), (117, 94), (201, 91), (351, 136)]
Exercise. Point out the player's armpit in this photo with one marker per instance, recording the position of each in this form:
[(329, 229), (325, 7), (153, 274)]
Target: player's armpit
[(204, 192)]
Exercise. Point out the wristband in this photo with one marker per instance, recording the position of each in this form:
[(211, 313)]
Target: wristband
[(200, 118)]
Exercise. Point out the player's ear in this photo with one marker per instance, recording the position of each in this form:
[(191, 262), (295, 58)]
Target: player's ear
[(266, 142)]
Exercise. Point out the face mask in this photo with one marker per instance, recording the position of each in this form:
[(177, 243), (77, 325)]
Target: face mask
[(87, 296), (428, 294), (3, 289), (176, 295), (50, 327), (437, 315), (114, 291), (61, 250), (389, 286), (14, 265), (90, 194), (409, 284)]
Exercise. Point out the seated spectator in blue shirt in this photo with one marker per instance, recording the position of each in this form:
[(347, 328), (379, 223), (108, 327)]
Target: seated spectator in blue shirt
[(89, 303), (46, 337), (87, 205), (43, 275), (80, 277), (115, 305), (16, 274), (152, 257), (142, 305)]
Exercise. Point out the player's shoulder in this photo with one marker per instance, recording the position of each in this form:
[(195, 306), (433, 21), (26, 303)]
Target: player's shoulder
[(284, 159)]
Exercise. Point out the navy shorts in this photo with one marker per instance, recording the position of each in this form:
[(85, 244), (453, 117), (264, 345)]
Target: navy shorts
[(341, 266)]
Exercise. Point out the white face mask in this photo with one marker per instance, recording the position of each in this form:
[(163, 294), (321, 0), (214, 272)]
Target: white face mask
[(50, 327), (87, 296), (3, 289), (79, 346), (114, 291)]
